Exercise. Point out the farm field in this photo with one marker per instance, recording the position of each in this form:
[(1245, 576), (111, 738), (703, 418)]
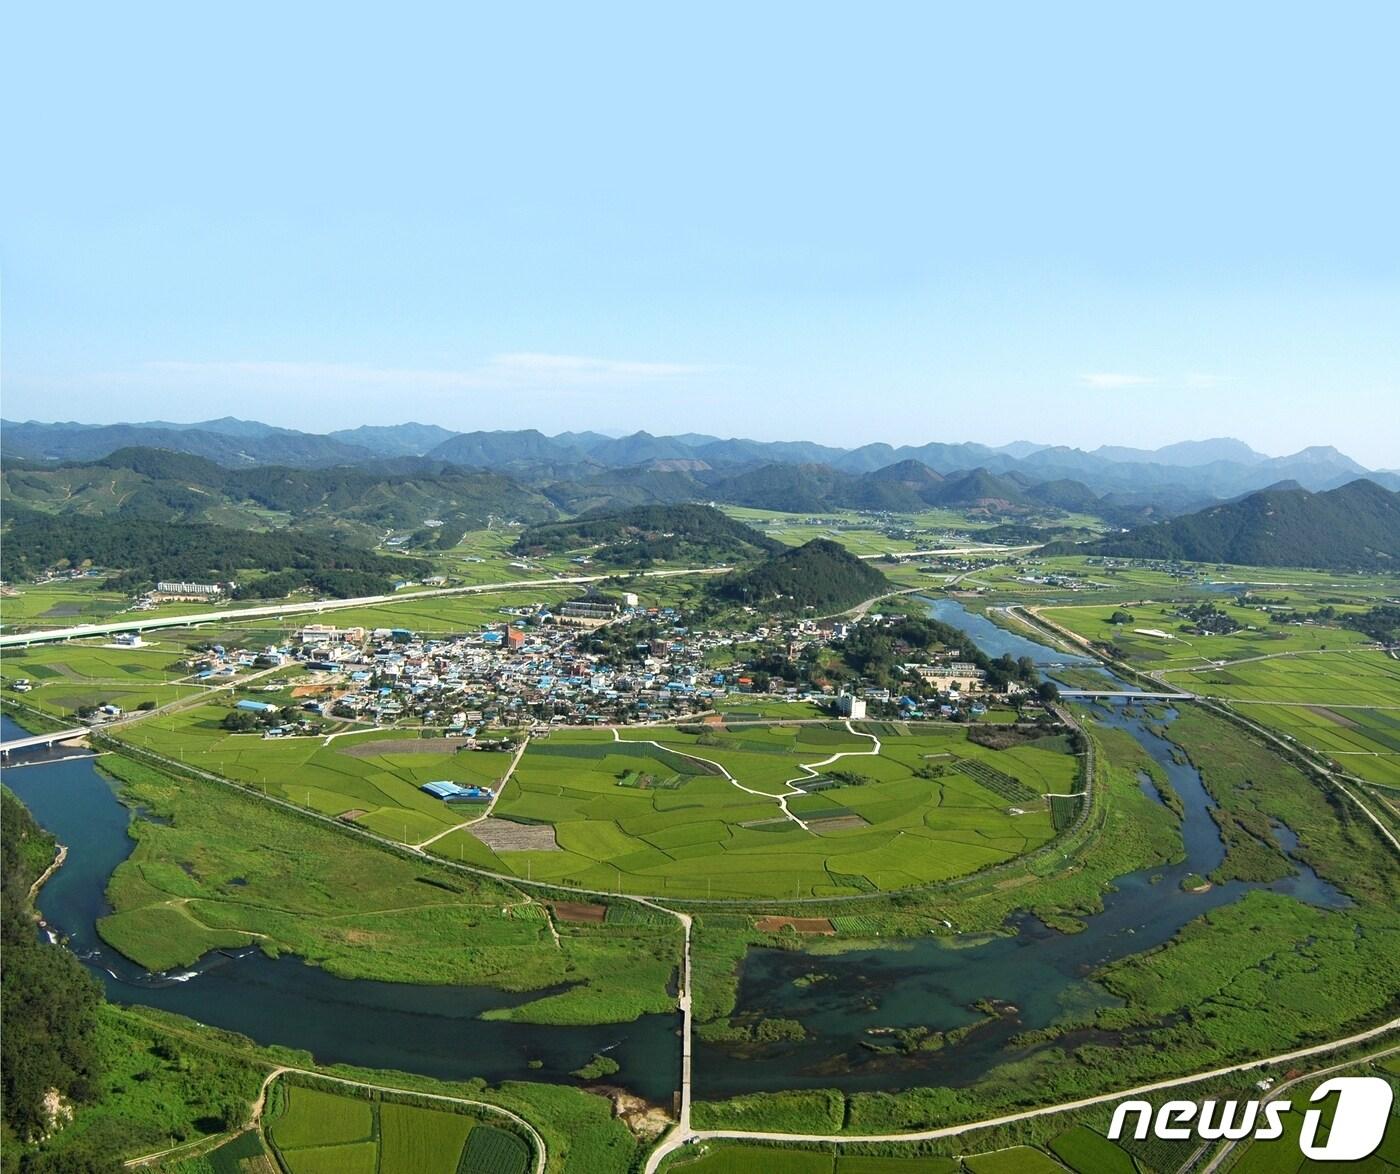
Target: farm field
[(654, 812), (58, 605), (860, 534), (1087, 1152), (318, 1132), (66, 676), (663, 819), (433, 614), (1258, 637), (740, 707), (1021, 1159), (335, 777), (484, 556), (1345, 705)]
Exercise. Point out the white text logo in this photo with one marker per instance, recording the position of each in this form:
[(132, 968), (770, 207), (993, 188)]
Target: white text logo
[(1363, 1109)]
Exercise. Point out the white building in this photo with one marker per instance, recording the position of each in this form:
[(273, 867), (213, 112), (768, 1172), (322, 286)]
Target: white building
[(171, 587), (851, 707)]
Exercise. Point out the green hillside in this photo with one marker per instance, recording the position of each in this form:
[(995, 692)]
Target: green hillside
[(1356, 525), (359, 503), (140, 552), (820, 574), (693, 534)]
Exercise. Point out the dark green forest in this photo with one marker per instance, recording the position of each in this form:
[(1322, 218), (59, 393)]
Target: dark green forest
[(650, 534), (141, 552), (49, 1019), (1356, 526), (820, 574)]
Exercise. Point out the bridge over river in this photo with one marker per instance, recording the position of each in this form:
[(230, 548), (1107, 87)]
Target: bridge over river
[(44, 741), (1127, 693)]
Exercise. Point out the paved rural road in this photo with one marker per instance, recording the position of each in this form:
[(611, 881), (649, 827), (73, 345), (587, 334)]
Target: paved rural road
[(486, 813), (314, 607), (675, 1140)]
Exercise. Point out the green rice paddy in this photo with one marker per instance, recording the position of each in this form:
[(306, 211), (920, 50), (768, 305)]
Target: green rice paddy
[(872, 821), (1258, 636), (1344, 704), (320, 1132), (654, 813)]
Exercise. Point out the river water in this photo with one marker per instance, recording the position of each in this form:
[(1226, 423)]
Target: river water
[(436, 1030)]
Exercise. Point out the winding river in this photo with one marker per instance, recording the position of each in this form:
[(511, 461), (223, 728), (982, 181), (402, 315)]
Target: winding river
[(436, 1030)]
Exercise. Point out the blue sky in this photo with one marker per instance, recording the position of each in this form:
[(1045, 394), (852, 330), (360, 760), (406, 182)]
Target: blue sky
[(1070, 223)]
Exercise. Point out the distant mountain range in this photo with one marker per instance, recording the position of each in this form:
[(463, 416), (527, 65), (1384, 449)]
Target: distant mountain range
[(1172, 479), (1356, 526), (657, 511)]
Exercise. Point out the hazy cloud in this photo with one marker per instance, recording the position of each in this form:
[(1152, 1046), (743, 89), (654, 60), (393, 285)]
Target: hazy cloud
[(1112, 380)]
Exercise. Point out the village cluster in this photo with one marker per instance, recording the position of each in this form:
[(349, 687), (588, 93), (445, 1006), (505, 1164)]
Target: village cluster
[(541, 667)]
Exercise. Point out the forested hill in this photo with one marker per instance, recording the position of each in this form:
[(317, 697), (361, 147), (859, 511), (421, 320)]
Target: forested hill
[(1354, 526), (638, 537), (142, 552), (48, 1031), (820, 574), (358, 503)]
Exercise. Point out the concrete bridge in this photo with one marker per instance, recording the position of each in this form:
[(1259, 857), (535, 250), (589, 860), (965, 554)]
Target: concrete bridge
[(44, 741), (1127, 693)]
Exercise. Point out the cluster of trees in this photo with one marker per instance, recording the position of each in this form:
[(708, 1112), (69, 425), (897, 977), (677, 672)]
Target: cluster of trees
[(147, 551), (1206, 617), (617, 643), (1381, 623), (874, 652), (49, 1019), (244, 721), (820, 574)]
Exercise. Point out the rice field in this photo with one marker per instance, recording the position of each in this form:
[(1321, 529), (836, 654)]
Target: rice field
[(1343, 704), (65, 677), (691, 812), (1177, 649), (874, 821), (318, 1132), (339, 776)]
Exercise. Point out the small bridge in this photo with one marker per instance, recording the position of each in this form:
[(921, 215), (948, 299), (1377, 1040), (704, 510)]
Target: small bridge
[(1128, 693), (44, 741)]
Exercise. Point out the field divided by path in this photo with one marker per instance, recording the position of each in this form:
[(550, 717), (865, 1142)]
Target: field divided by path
[(1345, 705), (655, 812), (315, 1131)]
